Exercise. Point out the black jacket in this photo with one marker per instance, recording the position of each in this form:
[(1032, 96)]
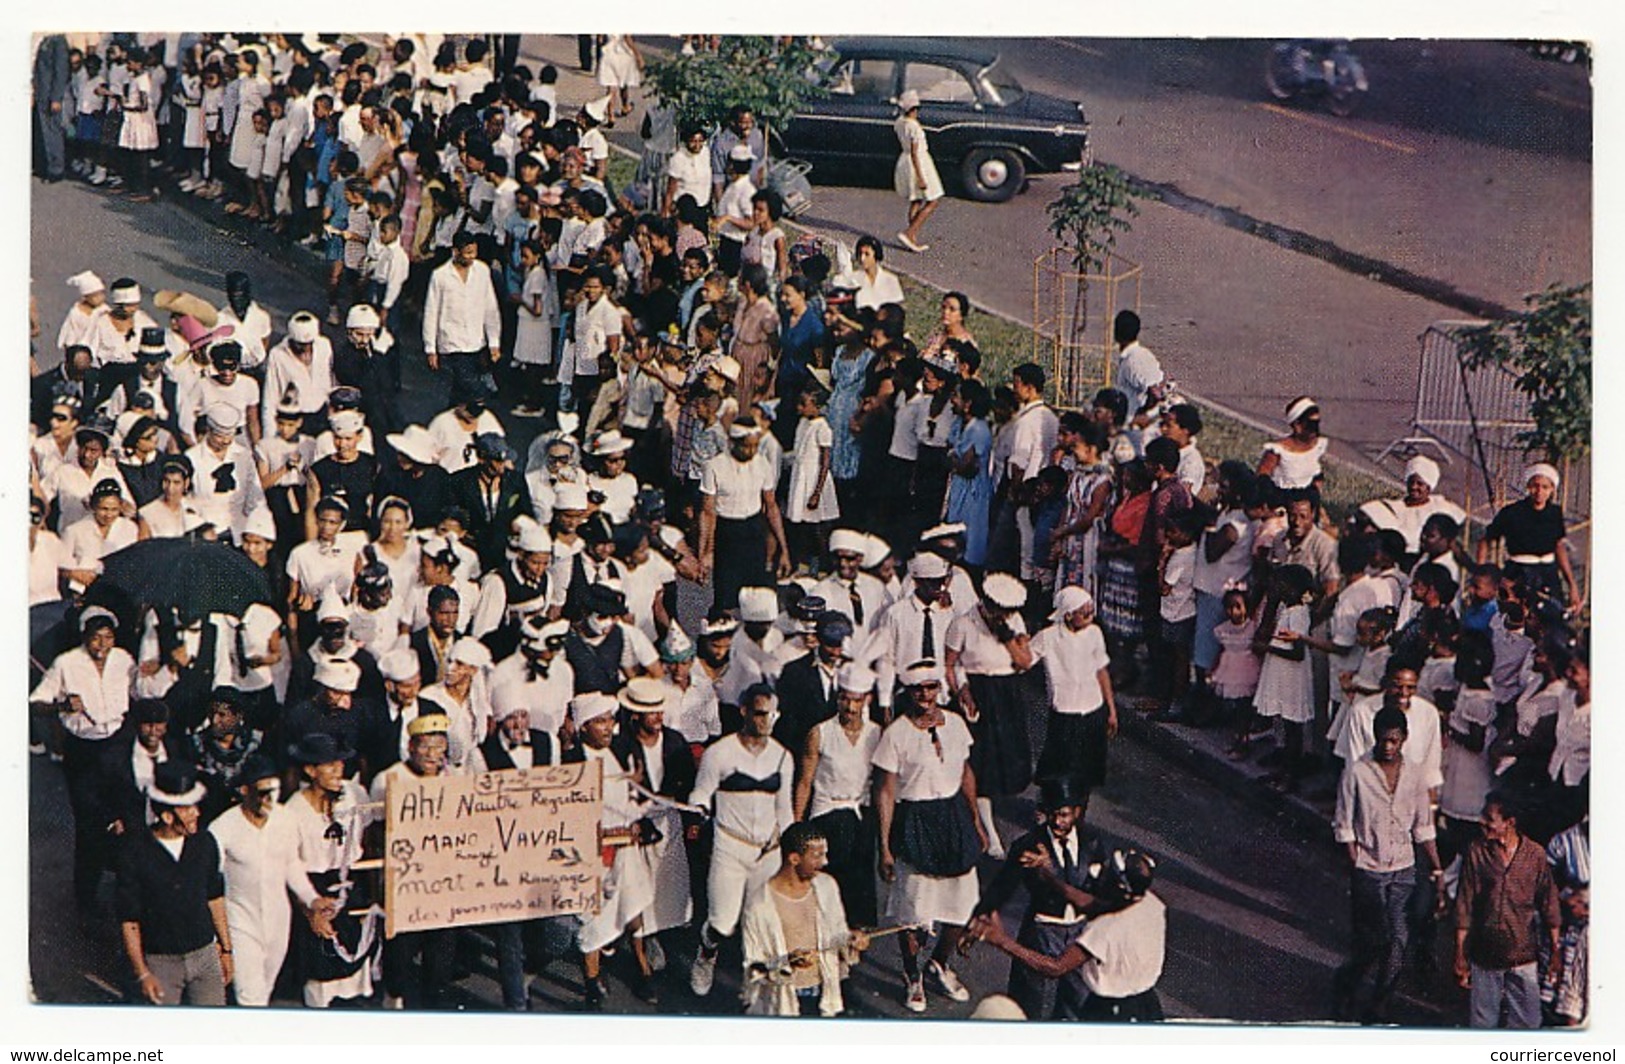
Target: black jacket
[(1042, 898), (802, 702), (489, 530), (120, 798)]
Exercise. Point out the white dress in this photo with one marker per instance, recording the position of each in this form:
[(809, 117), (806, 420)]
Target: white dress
[(533, 342), (140, 129), (1286, 688), (618, 68), (909, 135), (811, 438)]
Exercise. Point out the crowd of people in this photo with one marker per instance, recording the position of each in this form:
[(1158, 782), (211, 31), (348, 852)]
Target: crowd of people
[(921, 589)]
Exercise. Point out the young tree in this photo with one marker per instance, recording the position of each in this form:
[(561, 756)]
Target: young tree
[(1547, 348), (1089, 214), (772, 76)]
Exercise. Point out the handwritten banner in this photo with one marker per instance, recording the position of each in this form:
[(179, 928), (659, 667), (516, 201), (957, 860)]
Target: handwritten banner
[(491, 848)]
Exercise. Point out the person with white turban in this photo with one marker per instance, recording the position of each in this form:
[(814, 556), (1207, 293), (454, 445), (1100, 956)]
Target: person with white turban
[(1535, 535), (1408, 513)]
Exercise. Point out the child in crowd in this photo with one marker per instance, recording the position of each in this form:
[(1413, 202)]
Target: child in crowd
[(765, 244), (1234, 678), (1286, 683), (1479, 606), (357, 228), (1175, 578), (390, 271), (336, 220), (1465, 759), (735, 212), (1048, 507), (1437, 680), (811, 507)]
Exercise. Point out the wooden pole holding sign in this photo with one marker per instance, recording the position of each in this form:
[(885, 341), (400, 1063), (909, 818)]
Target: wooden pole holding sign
[(494, 847)]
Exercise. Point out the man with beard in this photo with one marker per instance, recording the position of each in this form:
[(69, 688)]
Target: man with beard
[(259, 859), (171, 898)]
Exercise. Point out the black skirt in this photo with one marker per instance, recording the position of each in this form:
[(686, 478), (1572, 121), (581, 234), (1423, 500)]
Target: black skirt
[(1075, 746), (1002, 757), (936, 837), (318, 958)]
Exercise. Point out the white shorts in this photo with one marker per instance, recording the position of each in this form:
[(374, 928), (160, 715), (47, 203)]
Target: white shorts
[(737, 868)]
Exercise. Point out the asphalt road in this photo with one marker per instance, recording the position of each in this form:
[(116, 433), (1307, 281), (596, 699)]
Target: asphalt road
[(1468, 165)]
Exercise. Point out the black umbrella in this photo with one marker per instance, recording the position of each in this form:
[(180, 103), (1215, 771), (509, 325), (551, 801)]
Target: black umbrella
[(193, 577)]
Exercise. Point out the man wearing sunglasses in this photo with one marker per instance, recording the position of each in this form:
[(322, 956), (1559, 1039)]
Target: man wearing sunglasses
[(259, 856)]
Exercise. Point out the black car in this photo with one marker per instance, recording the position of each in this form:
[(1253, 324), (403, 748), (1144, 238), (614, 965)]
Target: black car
[(984, 128)]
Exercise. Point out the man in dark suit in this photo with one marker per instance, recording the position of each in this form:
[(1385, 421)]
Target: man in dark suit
[(433, 644), (807, 689), (1050, 859), (493, 494), (76, 376), (515, 744), (129, 762), (403, 680)]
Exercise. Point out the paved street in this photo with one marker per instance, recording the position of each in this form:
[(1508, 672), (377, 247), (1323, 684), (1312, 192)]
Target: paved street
[(1422, 178)]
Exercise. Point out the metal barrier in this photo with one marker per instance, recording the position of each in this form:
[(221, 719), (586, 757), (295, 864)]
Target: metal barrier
[(1072, 321), (1475, 416)]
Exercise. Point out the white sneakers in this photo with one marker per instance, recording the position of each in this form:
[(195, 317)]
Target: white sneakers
[(915, 1002), (943, 978)]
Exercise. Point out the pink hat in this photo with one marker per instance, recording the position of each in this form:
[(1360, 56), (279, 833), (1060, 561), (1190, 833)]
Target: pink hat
[(195, 334)]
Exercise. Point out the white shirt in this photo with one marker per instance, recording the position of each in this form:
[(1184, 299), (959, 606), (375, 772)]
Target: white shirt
[(71, 486), (751, 816), (460, 314), (1032, 438), (692, 171), (312, 382), (842, 778), (391, 270), (470, 718), (905, 433), (735, 203), (693, 711), (980, 652), (1421, 741), (1192, 468), (318, 566), (908, 752), (642, 586), (546, 697), (45, 558), (1383, 826), (260, 865), (225, 487), (1072, 661), (1125, 949), (897, 639), (252, 331), (454, 444), (86, 546), (1571, 756), (1137, 372), (104, 692), (1234, 564), (837, 595), (737, 486), (80, 325), (1180, 602), (885, 288)]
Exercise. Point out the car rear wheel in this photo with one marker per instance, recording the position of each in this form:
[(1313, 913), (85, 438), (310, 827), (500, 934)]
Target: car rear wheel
[(992, 175)]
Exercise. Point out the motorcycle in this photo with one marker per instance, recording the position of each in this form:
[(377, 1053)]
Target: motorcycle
[(1316, 68)]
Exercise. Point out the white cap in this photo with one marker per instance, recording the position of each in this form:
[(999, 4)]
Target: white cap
[(741, 153), (361, 316), (92, 612), (1542, 469), (740, 431), (416, 443), (470, 651), (260, 523), (332, 606), (609, 442), (223, 417), (570, 497), (1004, 591), (1071, 600), (347, 423), (758, 605), (875, 551), (506, 708), (947, 528), (728, 366), (928, 566), (644, 694), (846, 541), (400, 664), (130, 293), (591, 706), (533, 539), (597, 110), (1424, 467), (856, 678), (87, 283), (303, 328), (908, 101), (338, 675), (927, 671)]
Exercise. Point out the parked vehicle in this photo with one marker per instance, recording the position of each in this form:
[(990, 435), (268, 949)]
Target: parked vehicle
[(987, 132), (1326, 68)]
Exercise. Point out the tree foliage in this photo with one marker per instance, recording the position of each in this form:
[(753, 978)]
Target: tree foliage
[(771, 76), (1091, 212), (1547, 347)]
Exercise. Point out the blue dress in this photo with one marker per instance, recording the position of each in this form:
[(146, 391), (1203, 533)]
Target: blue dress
[(971, 498), (798, 347), (846, 390)]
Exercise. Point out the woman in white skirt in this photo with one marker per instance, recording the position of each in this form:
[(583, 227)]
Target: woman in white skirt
[(533, 339), (810, 503), (915, 176), (138, 136), (930, 837), (620, 69)]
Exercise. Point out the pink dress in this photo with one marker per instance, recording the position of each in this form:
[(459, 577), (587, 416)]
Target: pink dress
[(754, 330), (411, 196), (1236, 674)]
